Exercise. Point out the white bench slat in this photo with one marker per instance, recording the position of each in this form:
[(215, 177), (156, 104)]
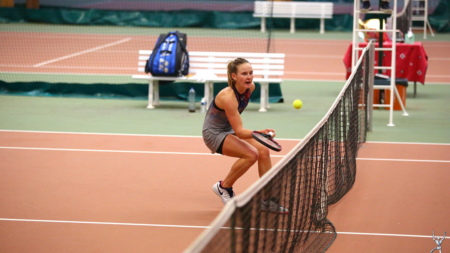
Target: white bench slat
[(163, 78), (191, 79), (255, 72), (225, 54), (238, 54), (224, 60), (224, 71), (293, 10), (264, 9), (301, 16), (223, 66)]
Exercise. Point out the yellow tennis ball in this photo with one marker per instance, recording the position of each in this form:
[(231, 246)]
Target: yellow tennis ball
[(298, 104)]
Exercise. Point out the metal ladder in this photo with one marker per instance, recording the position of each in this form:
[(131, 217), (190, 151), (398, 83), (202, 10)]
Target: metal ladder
[(356, 49), (420, 13)]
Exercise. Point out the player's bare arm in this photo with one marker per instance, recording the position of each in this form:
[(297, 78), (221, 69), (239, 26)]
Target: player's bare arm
[(227, 101)]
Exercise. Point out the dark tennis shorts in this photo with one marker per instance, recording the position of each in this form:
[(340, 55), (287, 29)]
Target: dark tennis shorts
[(219, 149)]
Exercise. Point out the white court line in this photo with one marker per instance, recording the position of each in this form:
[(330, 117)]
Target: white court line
[(413, 143), (107, 134), (325, 80), (67, 67), (64, 74), (103, 223), (63, 36), (192, 153), (381, 234), (82, 52), (115, 134), (192, 136), (108, 151), (185, 226), (314, 73), (314, 56), (402, 160)]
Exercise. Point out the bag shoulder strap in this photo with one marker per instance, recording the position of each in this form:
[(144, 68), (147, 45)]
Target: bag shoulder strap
[(182, 44), (158, 44)]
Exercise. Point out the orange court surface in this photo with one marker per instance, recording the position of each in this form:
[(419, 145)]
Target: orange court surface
[(75, 192)]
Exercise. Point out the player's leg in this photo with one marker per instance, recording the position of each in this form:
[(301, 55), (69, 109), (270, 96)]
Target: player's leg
[(264, 162), (269, 203), (247, 154)]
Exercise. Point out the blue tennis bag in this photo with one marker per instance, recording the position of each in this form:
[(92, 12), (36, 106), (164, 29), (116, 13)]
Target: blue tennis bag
[(170, 56)]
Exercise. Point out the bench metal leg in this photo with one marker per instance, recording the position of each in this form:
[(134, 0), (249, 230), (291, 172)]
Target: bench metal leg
[(150, 95), (292, 25), (264, 101), (322, 26), (263, 24), (209, 93)]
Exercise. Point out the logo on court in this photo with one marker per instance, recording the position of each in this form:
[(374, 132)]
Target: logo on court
[(438, 241)]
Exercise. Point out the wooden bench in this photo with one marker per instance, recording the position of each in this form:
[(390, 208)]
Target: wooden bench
[(267, 68), (293, 10)]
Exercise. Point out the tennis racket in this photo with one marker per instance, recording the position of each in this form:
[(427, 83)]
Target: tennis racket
[(266, 140)]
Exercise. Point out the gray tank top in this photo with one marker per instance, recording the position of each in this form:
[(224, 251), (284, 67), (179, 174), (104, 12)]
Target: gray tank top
[(216, 125)]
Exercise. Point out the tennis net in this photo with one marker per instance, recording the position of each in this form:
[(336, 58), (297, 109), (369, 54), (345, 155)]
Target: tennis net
[(318, 172)]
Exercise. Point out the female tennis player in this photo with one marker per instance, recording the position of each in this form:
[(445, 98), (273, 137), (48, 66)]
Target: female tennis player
[(224, 133)]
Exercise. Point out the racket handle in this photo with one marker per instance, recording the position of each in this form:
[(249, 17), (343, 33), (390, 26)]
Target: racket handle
[(271, 134)]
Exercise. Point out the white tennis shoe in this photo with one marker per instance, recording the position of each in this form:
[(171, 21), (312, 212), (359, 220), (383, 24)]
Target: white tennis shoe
[(225, 194), (273, 207)]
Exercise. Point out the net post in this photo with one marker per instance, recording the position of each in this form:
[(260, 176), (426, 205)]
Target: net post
[(371, 83)]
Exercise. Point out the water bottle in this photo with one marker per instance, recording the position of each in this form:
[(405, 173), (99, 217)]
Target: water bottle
[(192, 100), (409, 37), (203, 105)]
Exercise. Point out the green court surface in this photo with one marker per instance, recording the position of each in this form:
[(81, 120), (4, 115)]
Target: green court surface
[(428, 120)]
